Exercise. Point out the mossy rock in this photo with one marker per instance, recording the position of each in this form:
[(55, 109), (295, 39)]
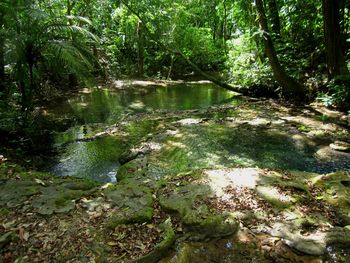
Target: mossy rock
[(131, 169), (132, 203), (337, 192), (199, 222), (61, 194), (14, 192), (203, 226), (339, 236), (274, 197), (182, 199), (162, 248)]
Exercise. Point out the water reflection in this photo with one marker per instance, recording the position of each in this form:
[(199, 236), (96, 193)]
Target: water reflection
[(105, 106)]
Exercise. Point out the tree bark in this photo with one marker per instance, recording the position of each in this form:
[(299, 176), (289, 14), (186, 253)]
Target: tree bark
[(275, 18), (336, 63), (177, 52), (140, 48), (2, 53), (290, 87)]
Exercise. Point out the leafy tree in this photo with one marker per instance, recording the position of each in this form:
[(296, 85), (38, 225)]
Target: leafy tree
[(290, 87), (337, 69), (38, 42)]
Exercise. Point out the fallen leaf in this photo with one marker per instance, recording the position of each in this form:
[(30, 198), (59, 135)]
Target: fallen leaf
[(38, 181), (112, 244), (23, 236)]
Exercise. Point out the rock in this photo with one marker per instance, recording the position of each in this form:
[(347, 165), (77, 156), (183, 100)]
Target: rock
[(60, 196), (312, 244), (260, 122), (189, 121), (199, 222), (340, 146), (339, 236), (131, 203), (95, 204), (14, 192), (274, 197)]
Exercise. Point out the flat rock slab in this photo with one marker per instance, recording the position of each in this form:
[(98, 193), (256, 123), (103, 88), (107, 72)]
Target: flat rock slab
[(131, 204), (14, 192), (188, 202), (45, 196)]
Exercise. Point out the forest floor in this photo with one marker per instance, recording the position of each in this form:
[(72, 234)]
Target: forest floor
[(178, 199)]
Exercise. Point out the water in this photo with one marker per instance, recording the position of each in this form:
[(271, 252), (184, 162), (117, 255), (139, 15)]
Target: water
[(108, 106), (212, 144), (93, 109)]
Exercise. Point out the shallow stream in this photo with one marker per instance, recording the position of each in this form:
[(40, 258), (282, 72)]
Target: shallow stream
[(233, 136), (190, 127)]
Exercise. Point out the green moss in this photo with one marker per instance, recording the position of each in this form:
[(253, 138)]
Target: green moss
[(200, 223), (274, 197), (59, 196), (14, 192), (4, 211), (132, 203)]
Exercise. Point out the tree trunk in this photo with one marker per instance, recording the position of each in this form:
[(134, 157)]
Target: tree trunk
[(336, 63), (290, 87), (209, 77), (175, 52), (140, 48), (2, 53), (275, 18)]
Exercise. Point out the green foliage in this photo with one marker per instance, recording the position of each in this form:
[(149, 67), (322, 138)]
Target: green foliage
[(40, 43), (339, 93), (245, 68)]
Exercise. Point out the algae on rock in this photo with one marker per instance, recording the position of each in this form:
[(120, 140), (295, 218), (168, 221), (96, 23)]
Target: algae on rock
[(131, 203), (189, 203)]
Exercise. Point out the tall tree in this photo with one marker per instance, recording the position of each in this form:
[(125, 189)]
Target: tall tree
[(2, 50), (275, 18), (42, 42), (335, 58), (290, 87), (140, 47)]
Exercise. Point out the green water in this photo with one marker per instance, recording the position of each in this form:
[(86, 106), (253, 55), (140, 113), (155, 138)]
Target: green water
[(139, 114), (98, 159), (108, 106)]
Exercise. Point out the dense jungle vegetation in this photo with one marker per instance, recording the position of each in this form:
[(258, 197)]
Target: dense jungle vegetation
[(294, 49), (174, 131)]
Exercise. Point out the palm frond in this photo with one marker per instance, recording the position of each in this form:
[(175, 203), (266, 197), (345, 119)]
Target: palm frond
[(68, 56), (62, 29), (80, 19)]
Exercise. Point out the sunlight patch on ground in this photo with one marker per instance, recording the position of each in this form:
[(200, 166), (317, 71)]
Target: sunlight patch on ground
[(268, 192), (260, 122), (312, 123), (189, 121), (176, 144), (221, 178)]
